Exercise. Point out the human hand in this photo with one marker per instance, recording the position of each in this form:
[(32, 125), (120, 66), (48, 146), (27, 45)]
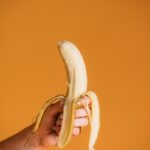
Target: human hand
[(50, 126)]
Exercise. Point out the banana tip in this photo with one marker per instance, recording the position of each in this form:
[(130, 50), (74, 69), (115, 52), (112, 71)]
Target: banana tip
[(61, 43)]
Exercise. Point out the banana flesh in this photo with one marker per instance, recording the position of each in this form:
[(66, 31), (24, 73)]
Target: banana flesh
[(76, 89)]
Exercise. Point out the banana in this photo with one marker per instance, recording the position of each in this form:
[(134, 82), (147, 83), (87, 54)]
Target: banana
[(76, 89)]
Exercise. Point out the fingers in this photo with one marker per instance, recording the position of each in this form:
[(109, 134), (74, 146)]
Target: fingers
[(79, 113), (76, 130), (79, 122), (86, 100)]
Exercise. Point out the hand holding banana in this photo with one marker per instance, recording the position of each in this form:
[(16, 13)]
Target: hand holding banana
[(76, 90)]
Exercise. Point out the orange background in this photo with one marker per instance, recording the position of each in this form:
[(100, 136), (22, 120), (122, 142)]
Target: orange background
[(114, 39)]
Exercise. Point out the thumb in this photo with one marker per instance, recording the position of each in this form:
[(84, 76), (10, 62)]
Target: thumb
[(56, 108), (51, 114)]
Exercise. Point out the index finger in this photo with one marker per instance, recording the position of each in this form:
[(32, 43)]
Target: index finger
[(84, 100)]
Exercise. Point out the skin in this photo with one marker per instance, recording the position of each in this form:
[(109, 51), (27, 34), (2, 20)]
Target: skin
[(47, 134)]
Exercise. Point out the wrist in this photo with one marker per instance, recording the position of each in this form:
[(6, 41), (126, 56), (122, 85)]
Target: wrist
[(23, 140), (32, 141)]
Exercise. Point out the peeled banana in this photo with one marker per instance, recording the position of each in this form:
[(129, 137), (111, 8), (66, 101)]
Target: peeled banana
[(76, 89)]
